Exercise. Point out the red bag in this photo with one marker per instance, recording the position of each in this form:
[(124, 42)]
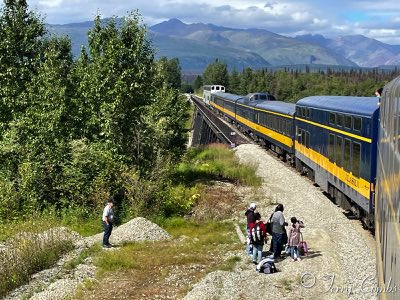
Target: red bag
[(303, 248)]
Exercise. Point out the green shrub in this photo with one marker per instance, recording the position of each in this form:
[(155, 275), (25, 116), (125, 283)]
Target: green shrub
[(178, 200)]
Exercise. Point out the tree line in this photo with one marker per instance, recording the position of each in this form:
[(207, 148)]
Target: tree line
[(291, 85), (75, 132)]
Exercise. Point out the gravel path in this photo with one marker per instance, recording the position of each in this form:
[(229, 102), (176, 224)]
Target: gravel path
[(341, 260)]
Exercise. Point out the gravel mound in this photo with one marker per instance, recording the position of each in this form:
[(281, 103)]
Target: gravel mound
[(138, 229)]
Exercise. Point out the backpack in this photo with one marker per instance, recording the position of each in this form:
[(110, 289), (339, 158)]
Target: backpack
[(256, 234), (268, 225), (266, 266)]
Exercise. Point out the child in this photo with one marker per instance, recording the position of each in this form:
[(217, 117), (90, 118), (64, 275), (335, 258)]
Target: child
[(250, 216), (258, 237), (294, 238)]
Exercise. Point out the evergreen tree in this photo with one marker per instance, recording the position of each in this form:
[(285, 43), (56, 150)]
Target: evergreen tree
[(198, 83), (234, 82), (216, 73)]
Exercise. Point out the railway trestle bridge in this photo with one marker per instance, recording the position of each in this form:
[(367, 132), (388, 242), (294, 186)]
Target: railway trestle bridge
[(208, 128)]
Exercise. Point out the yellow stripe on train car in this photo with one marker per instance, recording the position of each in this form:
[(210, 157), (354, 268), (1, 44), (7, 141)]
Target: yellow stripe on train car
[(261, 129), (361, 185), (358, 137), (267, 132)]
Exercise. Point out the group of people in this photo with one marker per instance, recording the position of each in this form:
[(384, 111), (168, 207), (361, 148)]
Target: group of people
[(281, 236)]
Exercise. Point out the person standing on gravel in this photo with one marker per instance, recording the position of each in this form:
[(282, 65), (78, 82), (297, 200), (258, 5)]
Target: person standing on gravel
[(278, 231), (294, 238), (250, 215), (108, 218), (258, 235)]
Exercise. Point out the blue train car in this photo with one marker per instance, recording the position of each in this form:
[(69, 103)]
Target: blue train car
[(273, 124), (387, 199), (225, 103), (336, 144)]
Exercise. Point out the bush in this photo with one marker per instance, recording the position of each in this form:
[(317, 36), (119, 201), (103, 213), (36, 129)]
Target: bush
[(179, 200)]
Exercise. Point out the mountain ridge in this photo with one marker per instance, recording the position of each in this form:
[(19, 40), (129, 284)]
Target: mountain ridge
[(196, 45)]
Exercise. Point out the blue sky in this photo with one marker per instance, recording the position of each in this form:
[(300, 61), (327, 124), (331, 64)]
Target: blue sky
[(375, 19)]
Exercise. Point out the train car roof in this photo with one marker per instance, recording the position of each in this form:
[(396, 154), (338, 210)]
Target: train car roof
[(228, 96), (276, 106), (347, 104)]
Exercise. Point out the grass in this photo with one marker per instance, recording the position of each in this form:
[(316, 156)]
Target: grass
[(73, 263), (195, 249), (42, 221), (37, 224), (27, 254), (216, 162)]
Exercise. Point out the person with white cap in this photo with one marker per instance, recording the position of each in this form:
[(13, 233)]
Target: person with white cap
[(251, 218)]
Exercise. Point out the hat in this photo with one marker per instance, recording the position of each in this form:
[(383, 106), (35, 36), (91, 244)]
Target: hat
[(253, 205)]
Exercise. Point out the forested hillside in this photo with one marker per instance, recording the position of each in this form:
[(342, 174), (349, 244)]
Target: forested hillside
[(291, 85)]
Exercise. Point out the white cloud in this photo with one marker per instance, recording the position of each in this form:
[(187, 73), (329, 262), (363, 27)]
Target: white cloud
[(329, 18), (50, 3)]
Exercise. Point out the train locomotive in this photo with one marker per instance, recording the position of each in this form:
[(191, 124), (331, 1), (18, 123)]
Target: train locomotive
[(349, 146)]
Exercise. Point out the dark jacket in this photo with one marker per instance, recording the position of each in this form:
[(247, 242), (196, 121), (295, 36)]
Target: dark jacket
[(251, 218)]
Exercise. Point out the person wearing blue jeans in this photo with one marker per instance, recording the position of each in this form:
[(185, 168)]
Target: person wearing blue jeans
[(108, 218), (250, 213), (258, 235), (278, 231), (294, 253)]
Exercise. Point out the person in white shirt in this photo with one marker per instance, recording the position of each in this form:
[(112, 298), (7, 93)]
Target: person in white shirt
[(108, 217)]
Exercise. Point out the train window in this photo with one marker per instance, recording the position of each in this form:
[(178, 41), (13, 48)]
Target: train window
[(357, 123), (303, 137), (347, 121), (288, 128), (332, 118), (298, 134), (331, 147), (270, 97), (217, 88), (307, 139), (339, 120), (346, 154), (339, 151), (356, 159)]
